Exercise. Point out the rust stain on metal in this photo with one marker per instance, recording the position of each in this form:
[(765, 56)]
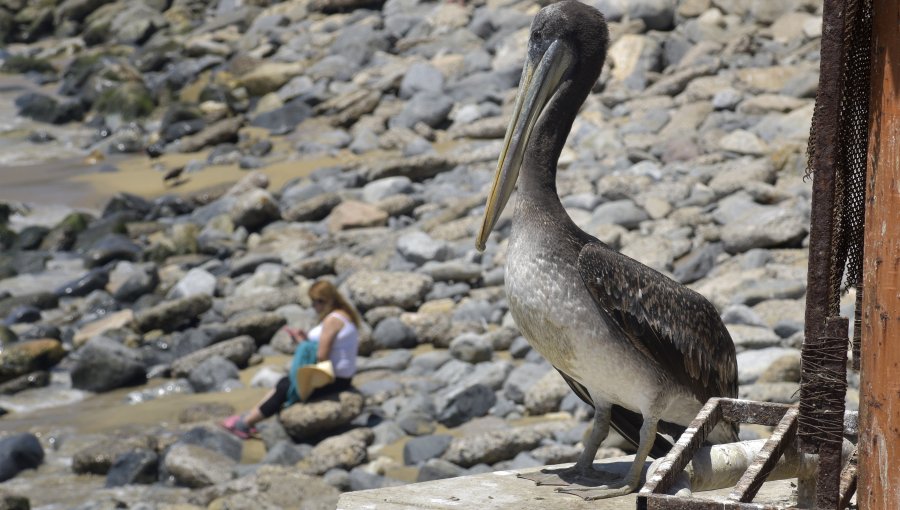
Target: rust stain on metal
[(684, 450), (765, 460), (827, 408), (664, 502), (653, 495), (824, 140), (756, 413)]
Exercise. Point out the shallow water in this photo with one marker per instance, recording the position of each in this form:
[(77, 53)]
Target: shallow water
[(85, 412)]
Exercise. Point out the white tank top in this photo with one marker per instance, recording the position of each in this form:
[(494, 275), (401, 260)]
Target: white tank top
[(345, 347)]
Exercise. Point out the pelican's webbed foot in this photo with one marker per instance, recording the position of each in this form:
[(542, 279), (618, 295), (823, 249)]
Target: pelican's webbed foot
[(588, 483), (612, 490)]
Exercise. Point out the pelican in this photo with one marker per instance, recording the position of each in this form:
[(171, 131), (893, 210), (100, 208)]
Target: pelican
[(644, 351)]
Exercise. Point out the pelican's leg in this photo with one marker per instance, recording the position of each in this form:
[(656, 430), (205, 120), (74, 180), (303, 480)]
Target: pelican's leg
[(582, 474), (585, 464), (630, 483)]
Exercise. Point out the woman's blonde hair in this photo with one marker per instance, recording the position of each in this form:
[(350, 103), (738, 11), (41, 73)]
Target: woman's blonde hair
[(326, 291)]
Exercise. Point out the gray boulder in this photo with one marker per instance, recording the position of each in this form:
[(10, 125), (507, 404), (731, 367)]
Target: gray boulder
[(314, 208), (286, 453), (419, 248), (493, 446), (765, 227), (752, 337), (423, 448), (380, 189), (273, 487), (261, 326), (522, 378), (214, 439), (128, 282), (254, 209), (212, 373), (369, 289), (345, 451), (196, 281), (656, 14), (471, 348), (112, 247), (105, 364), (172, 315), (427, 107), (133, 467), (546, 394), (462, 404), (392, 333), (753, 363), (490, 373), (778, 392), (619, 212), (421, 77), (317, 417), (98, 457), (438, 469), (195, 467), (19, 359), (394, 361), (19, 452), (237, 350)]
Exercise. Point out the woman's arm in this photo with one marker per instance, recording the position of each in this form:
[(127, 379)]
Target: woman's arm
[(331, 326), (297, 335)]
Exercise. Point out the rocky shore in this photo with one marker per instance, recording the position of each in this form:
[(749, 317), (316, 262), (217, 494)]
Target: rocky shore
[(688, 156)]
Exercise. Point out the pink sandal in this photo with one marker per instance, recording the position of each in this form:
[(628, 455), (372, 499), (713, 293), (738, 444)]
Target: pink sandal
[(235, 424)]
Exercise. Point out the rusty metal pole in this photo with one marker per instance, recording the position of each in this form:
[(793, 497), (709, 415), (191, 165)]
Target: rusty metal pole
[(820, 302), (879, 442)]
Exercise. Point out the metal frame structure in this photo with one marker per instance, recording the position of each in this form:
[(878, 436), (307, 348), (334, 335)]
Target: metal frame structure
[(653, 496), (855, 164)]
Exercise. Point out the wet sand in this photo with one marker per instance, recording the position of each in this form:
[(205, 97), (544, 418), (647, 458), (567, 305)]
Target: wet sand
[(87, 182), (62, 174)]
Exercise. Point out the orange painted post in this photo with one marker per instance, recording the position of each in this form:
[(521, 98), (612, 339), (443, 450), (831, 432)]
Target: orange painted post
[(879, 442)]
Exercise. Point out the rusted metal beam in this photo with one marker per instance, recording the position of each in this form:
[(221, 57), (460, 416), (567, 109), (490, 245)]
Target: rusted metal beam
[(825, 140), (665, 502), (831, 382), (654, 494), (683, 451), (879, 442), (765, 460), (756, 413)]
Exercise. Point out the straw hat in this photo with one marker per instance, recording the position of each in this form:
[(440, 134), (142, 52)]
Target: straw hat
[(312, 377)]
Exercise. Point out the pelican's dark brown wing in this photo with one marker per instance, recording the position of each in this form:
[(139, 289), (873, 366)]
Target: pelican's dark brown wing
[(673, 326)]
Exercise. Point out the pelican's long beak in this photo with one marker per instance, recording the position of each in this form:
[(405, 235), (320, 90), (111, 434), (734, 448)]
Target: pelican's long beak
[(536, 87)]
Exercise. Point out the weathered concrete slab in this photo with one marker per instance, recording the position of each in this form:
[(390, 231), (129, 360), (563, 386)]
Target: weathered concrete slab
[(503, 490)]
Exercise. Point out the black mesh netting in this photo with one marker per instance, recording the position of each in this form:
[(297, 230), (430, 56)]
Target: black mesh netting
[(849, 199)]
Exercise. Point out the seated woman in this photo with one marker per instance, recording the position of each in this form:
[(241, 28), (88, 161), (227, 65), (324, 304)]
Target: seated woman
[(338, 340)]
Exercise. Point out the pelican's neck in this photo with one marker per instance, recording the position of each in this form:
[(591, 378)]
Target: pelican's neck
[(537, 179)]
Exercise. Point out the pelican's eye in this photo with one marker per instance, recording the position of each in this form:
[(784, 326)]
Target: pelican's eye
[(537, 36)]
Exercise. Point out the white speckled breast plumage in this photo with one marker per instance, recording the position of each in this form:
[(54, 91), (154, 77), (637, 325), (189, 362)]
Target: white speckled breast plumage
[(560, 319)]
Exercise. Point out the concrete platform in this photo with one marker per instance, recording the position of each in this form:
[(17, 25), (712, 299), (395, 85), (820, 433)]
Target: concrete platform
[(503, 489)]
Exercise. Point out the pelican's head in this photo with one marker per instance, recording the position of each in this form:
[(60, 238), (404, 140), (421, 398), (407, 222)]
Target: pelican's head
[(565, 54)]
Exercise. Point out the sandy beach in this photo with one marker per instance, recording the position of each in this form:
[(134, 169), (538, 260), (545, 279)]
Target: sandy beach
[(62, 172), (88, 181)]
